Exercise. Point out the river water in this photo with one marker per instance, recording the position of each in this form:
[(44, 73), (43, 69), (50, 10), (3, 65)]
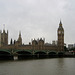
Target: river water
[(54, 66)]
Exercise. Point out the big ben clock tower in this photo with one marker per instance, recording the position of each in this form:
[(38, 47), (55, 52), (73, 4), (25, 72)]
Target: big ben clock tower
[(60, 33)]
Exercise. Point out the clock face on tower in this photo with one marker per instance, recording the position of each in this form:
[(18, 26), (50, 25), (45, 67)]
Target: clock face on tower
[(59, 32)]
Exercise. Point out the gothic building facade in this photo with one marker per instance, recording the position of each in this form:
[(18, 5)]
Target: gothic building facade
[(38, 44), (3, 38)]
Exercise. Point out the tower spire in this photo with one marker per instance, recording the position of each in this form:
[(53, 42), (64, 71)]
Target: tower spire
[(4, 28), (19, 33), (60, 24)]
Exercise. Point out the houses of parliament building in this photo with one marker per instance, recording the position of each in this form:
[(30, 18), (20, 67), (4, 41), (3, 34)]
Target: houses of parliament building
[(34, 44)]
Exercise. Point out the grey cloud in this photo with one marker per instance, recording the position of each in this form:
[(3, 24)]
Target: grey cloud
[(38, 18)]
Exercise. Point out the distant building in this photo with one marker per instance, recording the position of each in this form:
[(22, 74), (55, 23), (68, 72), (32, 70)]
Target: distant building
[(70, 46), (38, 44), (74, 45)]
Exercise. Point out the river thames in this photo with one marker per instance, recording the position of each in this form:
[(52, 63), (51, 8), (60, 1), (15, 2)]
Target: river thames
[(52, 66)]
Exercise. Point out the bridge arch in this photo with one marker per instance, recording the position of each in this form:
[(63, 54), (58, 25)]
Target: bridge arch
[(16, 51), (52, 54), (5, 50), (60, 54), (22, 54), (2, 52), (40, 54), (5, 55)]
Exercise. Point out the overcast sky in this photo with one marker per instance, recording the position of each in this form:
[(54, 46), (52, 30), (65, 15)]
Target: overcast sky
[(38, 18)]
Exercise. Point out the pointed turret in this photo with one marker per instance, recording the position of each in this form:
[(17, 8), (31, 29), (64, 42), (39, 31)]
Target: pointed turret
[(60, 23), (4, 28), (60, 26)]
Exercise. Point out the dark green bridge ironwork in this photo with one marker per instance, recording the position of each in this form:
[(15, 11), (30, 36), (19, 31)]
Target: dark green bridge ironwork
[(32, 52), (24, 53), (27, 53)]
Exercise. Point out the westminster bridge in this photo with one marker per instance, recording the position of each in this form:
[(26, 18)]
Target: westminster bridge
[(11, 53)]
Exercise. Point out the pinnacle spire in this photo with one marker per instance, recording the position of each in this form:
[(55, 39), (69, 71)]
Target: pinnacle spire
[(60, 24), (19, 33), (4, 28)]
